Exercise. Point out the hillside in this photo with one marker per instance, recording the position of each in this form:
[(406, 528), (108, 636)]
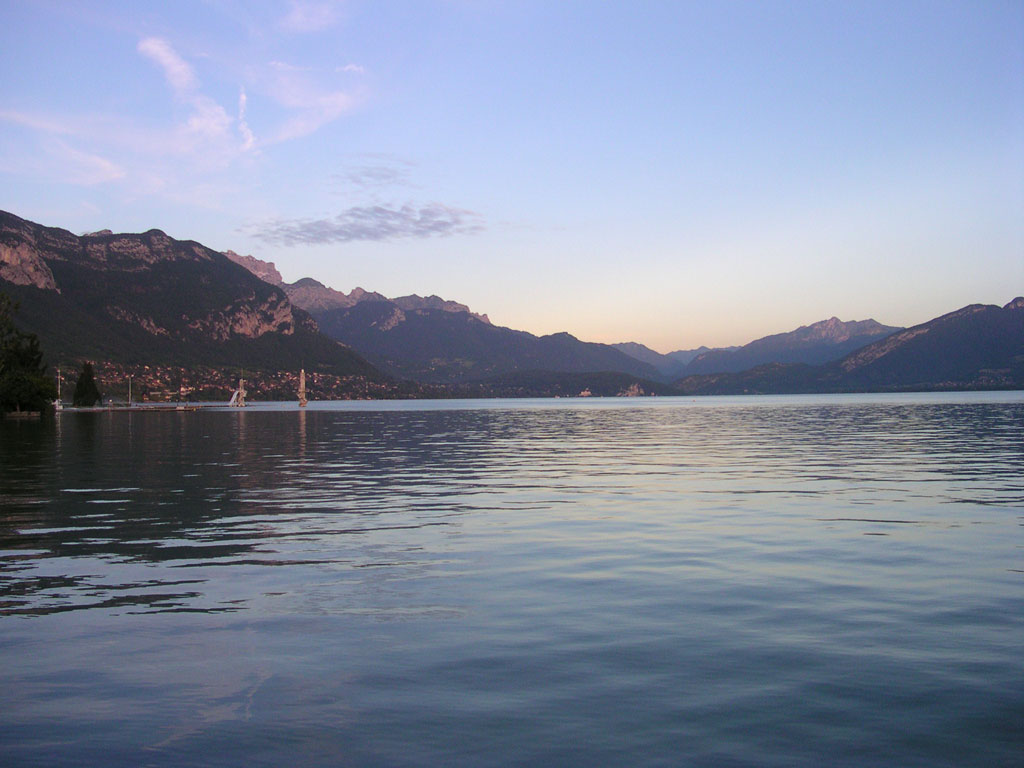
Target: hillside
[(976, 347), (670, 365), (151, 299), (437, 341), (813, 344), (438, 346)]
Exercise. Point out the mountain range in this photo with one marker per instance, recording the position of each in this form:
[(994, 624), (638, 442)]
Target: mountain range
[(813, 344), (148, 299), (670, 365), (977, 347), (151, 299), (438, 341), (441, 342)]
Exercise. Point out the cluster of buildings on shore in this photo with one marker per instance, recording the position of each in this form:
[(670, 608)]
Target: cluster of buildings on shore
[(161, 384)]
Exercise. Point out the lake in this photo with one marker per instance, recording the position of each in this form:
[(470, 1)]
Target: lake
[(748, 581)]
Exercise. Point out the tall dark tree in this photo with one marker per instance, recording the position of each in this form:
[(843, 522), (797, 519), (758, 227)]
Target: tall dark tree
[(24, 385), (87, 393)]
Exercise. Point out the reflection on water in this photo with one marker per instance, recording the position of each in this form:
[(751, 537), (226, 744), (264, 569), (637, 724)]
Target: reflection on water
[(737, 580)]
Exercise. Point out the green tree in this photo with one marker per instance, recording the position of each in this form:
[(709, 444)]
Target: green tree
[(87, 394), (24, 385)]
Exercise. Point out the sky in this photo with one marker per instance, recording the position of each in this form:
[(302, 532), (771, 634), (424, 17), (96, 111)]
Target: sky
[(672, 173)]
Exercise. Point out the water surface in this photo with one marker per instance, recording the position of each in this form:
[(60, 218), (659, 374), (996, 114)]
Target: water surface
[(721, 581)]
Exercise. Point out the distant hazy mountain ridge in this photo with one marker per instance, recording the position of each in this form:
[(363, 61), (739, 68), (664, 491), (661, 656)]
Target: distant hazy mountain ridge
[(813, 344), (671, 365), (976, 347)]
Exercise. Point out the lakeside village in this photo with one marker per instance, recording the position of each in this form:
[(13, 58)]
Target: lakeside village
[(117, 385), (121, 384)]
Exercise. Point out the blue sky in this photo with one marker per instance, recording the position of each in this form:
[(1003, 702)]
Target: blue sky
[(671, 173)]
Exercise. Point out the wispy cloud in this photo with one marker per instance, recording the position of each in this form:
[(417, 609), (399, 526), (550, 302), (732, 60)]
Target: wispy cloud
[(97, 148), (285, 66), (208, 119), (248, 140), (36, 122), (209, 142), (317, 113), (306, 16), (312, 105), (375, 223), (308, 105), (354, 68), (179, 74), (55, 160), (86, 168), (375, 173)]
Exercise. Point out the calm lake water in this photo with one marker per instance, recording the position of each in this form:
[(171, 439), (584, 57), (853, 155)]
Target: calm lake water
[(776, 581)]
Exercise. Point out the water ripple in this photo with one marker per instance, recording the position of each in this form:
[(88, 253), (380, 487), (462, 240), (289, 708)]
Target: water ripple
[(736, 580)]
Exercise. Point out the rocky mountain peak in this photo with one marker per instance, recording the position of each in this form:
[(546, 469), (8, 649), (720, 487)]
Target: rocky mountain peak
[(358, 294), (836, 330), (414, 302), (832, 329), (264, 270), (313, 296)]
